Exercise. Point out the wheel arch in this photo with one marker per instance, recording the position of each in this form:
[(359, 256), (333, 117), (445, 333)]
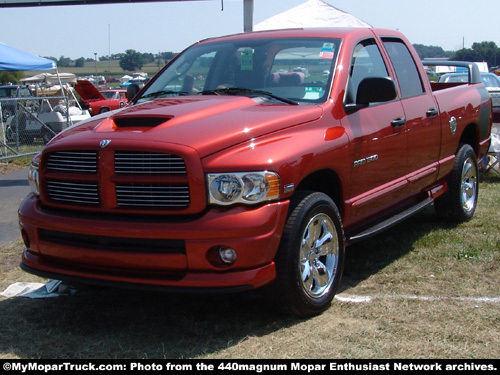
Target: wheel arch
[(470, 136), (325, 181)]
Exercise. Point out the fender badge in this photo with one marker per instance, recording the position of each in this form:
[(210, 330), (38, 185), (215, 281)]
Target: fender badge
[(104, 142)]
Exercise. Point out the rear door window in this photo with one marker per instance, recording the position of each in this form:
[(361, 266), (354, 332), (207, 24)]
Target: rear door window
[(410, 82)]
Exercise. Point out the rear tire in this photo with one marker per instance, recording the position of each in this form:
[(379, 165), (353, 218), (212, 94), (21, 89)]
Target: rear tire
[(310, 257), (460, 201)]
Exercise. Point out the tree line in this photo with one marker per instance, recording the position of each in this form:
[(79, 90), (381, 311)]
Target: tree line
[(479, 52), (131, 60)]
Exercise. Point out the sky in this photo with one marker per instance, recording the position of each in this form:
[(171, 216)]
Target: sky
[(83, 30)]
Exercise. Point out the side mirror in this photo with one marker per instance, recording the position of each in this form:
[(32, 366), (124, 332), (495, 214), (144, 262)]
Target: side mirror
[(376, 89), (133, 89)]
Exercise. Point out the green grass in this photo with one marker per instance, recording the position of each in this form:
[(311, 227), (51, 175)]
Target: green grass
[(425, 277)]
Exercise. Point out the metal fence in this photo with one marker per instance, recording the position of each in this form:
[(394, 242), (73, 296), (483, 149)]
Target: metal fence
[(28, 123)]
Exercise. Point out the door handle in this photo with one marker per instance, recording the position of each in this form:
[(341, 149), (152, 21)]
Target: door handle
[(398, 122), (432, 112)]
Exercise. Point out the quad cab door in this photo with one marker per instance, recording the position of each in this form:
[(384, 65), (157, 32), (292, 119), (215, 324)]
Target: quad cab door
[(378, 135), (421, 114)]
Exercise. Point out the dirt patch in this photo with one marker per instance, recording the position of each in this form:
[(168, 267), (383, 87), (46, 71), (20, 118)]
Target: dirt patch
[(10, 167)]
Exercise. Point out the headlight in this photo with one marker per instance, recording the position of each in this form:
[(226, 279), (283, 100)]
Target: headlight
[(247, 187), (33, 178)]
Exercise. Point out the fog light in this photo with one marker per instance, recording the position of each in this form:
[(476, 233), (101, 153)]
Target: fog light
[(227, 255)]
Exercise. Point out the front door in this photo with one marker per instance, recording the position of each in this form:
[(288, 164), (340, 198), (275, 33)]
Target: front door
[(378, 136)]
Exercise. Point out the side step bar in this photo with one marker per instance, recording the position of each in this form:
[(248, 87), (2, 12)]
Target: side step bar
[(389, 222)]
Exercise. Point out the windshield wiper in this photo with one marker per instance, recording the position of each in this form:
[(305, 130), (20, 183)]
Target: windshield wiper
[(157, 94), (248, 92)]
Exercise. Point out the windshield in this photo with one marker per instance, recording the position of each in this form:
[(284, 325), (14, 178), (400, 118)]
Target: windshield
[(293, 71)]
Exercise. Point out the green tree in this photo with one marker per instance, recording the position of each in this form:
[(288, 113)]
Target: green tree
[(431, 51), (132, 60), (167, 55), (483, 51), (11, 76), (64, 62), (80, 63)]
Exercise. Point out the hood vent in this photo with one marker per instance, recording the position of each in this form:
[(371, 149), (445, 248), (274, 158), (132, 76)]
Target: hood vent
[(139, 122)]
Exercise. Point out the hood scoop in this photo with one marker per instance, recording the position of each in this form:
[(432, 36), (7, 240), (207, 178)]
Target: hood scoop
[(139, 122)]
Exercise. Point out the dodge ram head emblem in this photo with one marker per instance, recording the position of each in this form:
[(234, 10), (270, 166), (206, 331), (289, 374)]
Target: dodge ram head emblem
[(104, 142)]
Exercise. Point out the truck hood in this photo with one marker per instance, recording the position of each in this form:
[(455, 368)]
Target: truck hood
[(206, 123)]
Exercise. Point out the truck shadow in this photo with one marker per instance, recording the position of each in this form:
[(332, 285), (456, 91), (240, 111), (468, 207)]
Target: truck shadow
[(367, 258), (105, 323), (130, 324)]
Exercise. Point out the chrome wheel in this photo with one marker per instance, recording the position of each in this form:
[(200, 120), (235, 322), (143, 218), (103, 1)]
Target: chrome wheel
[(459, 203), (319, 253), (469, 185), (311, 256)]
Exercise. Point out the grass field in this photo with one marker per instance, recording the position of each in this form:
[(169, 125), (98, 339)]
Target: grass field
[(424, 289)]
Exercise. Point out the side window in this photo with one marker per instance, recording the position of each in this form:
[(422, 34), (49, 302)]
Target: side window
[(410, 82), (366, 62)]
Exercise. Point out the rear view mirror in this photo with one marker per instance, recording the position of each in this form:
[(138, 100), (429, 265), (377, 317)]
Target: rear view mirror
[(133, 89), (376, 89)]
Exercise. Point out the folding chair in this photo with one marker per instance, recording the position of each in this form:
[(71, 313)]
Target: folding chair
[(491, 161)]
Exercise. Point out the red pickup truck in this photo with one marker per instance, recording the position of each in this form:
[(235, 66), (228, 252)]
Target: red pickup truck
[(252, 161)]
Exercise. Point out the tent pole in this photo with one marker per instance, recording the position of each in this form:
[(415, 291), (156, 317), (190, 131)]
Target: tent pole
[(66, 98), (247, 16)]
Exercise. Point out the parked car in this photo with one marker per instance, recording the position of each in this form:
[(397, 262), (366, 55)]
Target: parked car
[(9, 92), (100, 101), (489, 79)]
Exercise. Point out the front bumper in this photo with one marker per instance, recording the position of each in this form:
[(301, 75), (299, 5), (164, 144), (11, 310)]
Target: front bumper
[(153, 252)]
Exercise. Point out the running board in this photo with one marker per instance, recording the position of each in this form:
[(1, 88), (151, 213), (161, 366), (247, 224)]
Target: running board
[(389, 222)]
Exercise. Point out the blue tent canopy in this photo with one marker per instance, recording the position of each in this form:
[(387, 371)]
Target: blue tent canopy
[(14, 59)]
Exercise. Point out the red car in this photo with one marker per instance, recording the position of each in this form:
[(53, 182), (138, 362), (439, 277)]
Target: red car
[(100, 101)]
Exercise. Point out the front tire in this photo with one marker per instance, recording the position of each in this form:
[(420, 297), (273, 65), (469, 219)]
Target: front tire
[(310, 258), (460, 201)]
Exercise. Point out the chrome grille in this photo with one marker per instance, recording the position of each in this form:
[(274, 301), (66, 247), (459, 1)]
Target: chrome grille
[(73, 161), (162, 196), (148, 163), (75, 192)]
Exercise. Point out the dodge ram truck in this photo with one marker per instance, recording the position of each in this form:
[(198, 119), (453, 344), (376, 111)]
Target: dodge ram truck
[(252, 161)]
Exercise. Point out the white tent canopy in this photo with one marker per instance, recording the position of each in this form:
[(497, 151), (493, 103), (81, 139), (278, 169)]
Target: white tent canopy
[(313, 13), (51, 79)]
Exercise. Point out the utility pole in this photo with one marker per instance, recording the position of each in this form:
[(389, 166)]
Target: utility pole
[(95, 78)]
